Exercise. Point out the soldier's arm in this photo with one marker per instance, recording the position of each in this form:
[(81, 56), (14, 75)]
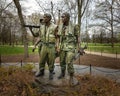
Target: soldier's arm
[(36, 43), (34, 34), (56, 31), (57, 39), (77, 35)]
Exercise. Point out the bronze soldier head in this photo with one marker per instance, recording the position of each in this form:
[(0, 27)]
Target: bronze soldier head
[(65, 18), (46, 18)]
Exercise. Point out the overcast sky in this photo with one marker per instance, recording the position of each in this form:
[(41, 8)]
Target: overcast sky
[(32, 6)]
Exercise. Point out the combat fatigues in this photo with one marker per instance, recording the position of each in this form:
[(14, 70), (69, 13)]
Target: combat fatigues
[(39, 47), (68, 44), (47, 53)]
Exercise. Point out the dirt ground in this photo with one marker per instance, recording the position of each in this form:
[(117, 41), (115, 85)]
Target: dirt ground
[(86, 59)]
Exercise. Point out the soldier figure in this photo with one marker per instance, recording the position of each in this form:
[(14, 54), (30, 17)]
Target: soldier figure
[(68, 37), (38, 41), (47, 35)]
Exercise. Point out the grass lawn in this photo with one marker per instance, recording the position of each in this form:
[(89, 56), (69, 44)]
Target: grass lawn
[(106, 48), (9, 50)]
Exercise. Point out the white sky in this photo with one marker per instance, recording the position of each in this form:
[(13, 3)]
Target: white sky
[(32, 6)]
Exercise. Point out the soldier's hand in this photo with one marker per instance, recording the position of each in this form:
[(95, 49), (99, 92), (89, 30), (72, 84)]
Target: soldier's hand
[(33, 50), (30, 28), (81, 51)]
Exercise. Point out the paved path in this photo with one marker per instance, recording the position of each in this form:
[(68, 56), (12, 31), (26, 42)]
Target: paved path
[(104, 54), (80, 70)]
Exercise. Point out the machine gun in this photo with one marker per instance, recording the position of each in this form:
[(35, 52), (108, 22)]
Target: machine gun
[(31, 26)]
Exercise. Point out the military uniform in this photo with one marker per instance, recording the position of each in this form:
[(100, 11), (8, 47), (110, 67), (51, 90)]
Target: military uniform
[(47, 53), (68, 45), (39, 47)]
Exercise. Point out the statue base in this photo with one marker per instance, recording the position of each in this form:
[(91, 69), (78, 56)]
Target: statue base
[(66, 81)]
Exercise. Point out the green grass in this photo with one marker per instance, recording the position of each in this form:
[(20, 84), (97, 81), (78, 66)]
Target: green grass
[(104, 44), (106, 49), (9, 50)]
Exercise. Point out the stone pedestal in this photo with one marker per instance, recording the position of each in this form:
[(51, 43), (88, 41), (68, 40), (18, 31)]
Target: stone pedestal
[(66, 81)]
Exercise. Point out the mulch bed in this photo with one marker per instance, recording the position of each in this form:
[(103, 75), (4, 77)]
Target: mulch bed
[(86, 59)]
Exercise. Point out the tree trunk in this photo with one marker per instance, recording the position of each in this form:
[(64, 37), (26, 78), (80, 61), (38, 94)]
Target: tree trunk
[(79, 20), (111, 24), (18, 6)]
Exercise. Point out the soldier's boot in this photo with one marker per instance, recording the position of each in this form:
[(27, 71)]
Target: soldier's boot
[(51, 75), (62, 75), (40, 73)]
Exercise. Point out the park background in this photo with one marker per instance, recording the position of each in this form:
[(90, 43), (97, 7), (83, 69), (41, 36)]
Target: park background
[(99, 22)]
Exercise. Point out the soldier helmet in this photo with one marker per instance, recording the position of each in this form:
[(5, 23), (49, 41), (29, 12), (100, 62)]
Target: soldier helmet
[(47, 15), (66, 14)]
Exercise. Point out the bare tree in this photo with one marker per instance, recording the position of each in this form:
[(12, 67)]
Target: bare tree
[(106, 11), (82, 6), (35, 20), (3, 6), (47, 7), (18, 6), (76, 8), (117, 9), (51, 7), (72, 8)]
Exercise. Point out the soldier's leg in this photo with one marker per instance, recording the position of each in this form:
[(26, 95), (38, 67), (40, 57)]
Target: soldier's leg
[(70, 68), (69, 61), (42, 61), (51, 61), (39, 48), (62, 64)]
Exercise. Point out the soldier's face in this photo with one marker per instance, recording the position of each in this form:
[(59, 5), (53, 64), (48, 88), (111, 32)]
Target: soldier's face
[(46, 19), (64, 18)]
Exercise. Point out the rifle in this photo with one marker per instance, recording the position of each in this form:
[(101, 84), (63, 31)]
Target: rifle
[(31, 26)]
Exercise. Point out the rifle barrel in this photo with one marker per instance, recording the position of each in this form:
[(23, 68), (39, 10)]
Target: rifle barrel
[(31, 26)]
